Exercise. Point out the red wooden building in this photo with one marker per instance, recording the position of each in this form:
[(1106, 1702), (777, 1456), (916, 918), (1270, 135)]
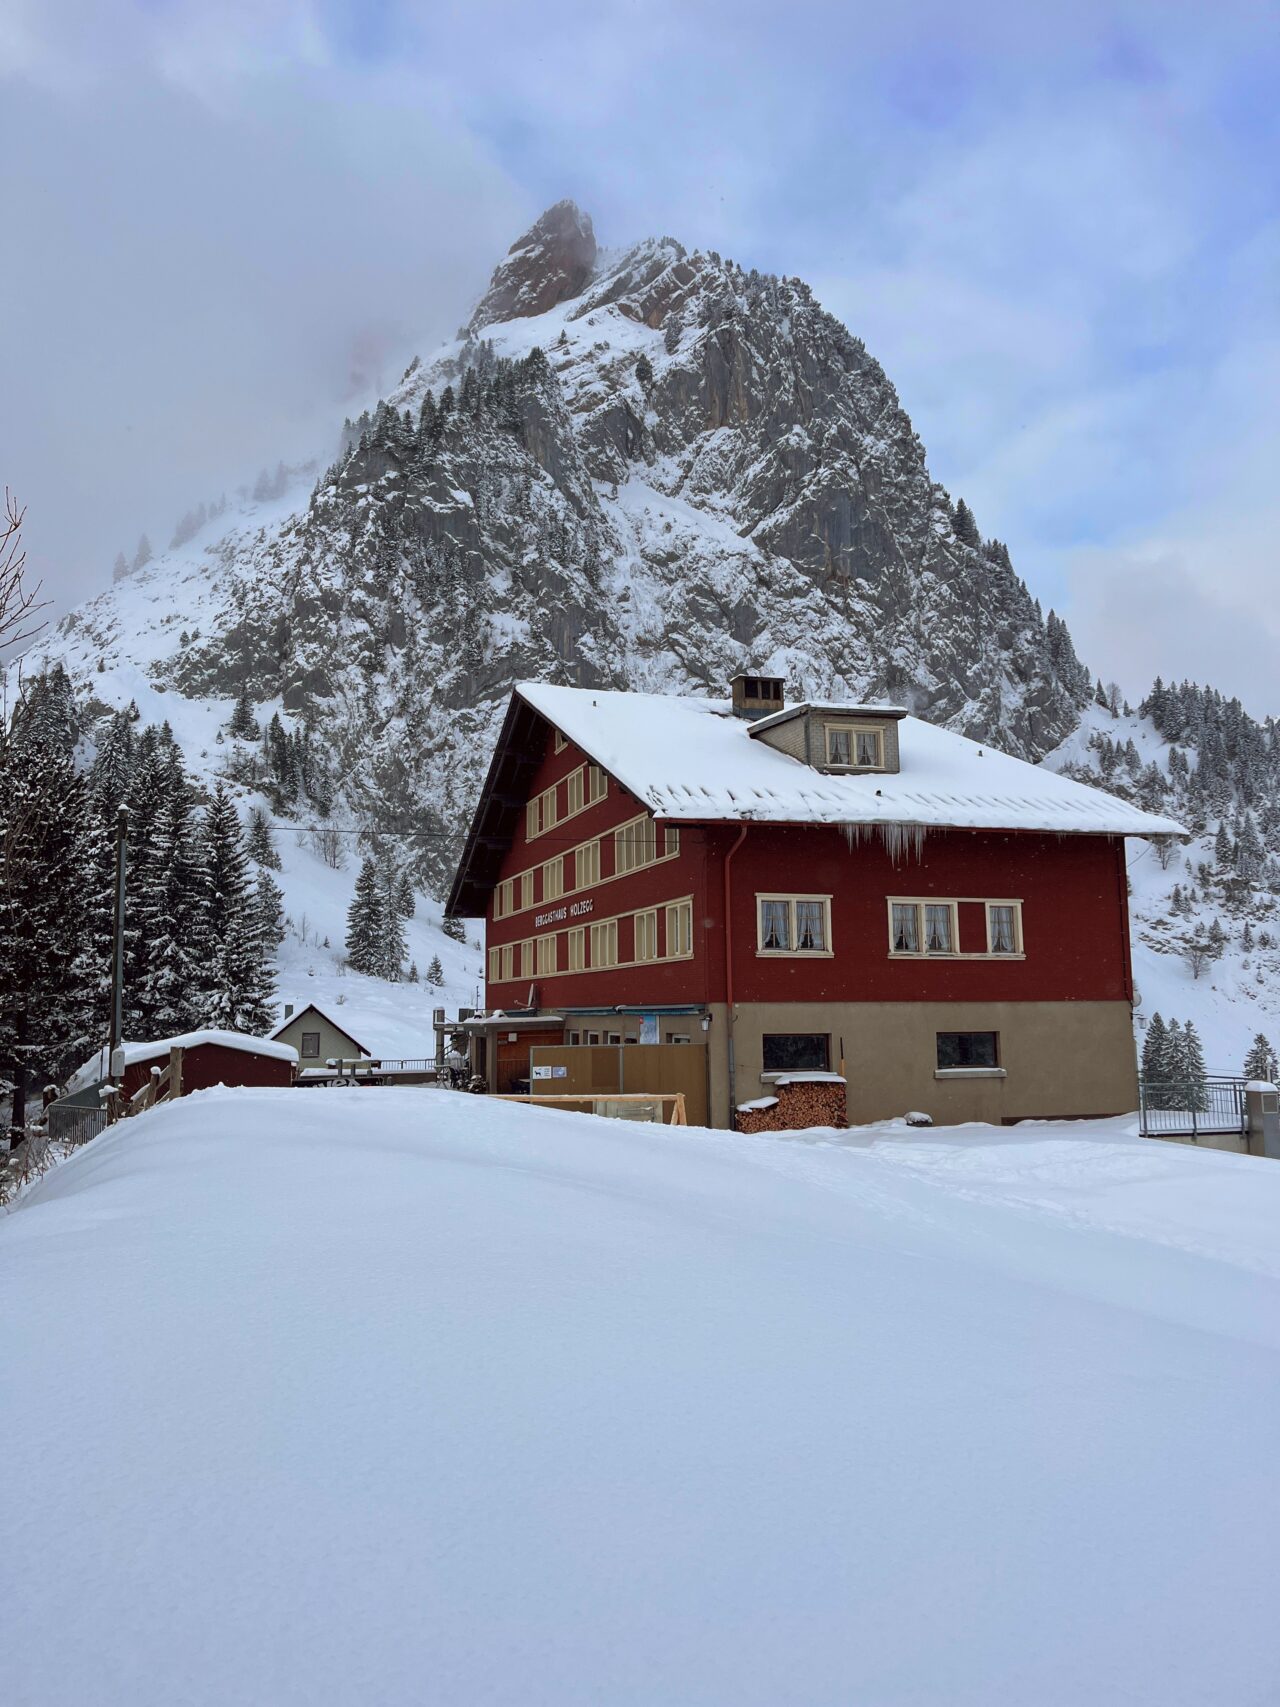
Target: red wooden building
[(209, 1058), (839, 889)]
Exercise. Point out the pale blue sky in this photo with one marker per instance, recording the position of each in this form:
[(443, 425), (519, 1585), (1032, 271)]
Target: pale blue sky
[(1056, 226)]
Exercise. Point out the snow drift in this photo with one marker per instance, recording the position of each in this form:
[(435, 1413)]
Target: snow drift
[(409, 1397)]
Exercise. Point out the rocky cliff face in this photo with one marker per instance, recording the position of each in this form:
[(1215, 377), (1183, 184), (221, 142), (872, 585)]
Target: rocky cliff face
[(552, 261), (647, 469)]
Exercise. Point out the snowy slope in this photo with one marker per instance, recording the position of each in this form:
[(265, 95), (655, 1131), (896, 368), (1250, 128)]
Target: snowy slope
[(527, 1407), (1235, 996)]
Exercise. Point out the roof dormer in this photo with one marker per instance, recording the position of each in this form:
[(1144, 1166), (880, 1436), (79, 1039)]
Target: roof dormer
[(756, 696), (840, 740)]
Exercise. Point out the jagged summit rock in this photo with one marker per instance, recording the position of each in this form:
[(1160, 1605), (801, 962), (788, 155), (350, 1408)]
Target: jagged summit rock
[(549, 264)]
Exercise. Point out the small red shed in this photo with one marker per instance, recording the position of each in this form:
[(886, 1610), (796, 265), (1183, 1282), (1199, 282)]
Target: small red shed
[(208, 1058)]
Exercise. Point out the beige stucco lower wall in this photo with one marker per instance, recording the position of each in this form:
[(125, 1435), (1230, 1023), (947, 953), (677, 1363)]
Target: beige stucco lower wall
[(334, 1044), (1236, 1142), (1061, 1059)]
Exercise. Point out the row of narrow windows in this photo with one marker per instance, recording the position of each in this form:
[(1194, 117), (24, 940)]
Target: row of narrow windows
[(634, 844)]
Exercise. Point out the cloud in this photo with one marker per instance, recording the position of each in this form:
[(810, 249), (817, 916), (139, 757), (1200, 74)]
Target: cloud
[(205, 280), (1054, 226)]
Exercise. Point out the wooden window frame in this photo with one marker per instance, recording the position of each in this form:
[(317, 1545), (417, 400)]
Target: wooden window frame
[(590, 853), (790, 899), (681, 910), (597, 784), (305, 1054), (635, 845), (541, 813), (577, 957), (526, 891), (920, 902), (507, 963), (646, 924), (844, 726), (560, 743), (604, 931), (494, 963), (955, 902), (575, 792), (1018, 951), (553, 879), (546, 950)]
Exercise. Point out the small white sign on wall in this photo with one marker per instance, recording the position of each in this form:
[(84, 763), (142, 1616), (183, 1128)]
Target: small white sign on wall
[(550, 1073)]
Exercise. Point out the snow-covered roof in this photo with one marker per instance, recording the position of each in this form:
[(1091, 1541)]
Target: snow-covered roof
[(128, 1054), (691, 759), (311, 1008)]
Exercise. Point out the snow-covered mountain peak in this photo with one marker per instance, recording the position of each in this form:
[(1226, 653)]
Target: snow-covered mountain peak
[(551, 262), (645, 467)]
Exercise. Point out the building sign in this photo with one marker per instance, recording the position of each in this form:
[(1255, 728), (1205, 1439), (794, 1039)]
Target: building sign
[(557, 915), (550, 1073)]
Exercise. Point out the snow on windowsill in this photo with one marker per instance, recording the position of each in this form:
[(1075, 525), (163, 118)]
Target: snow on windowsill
[(969, 1073), (777, 1079)]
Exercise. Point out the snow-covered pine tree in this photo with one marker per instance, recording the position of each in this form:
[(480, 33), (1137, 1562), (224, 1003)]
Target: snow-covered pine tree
[(455, 930), (394, 944), (366, 922), (413, 973), (260, 842), (435, 972), (1260, 1062), (46, 1006), (120, 568), (170, 904), (144, 802), (142, 556), (113, 763), (1155, 1062), (405, 903), (241, 983), (242, 723), (1191, 1072), (966, 527), (269, 901)]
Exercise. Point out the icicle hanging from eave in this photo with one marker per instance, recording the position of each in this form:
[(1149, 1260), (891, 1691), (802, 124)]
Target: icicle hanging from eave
[(898, 840)]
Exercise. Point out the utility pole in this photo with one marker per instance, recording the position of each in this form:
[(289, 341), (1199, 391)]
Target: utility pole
[(117, 951)]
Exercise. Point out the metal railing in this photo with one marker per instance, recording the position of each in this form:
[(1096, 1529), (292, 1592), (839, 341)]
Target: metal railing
[(67, 1124), (1187, 1108)]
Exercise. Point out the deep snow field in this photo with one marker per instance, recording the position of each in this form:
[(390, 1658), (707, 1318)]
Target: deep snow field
[(407, 1397)]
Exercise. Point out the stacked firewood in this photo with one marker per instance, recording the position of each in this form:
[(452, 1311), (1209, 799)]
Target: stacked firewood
[(808, 1102)]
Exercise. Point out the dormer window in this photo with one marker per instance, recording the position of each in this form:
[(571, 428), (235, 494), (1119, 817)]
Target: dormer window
[(851, 746)]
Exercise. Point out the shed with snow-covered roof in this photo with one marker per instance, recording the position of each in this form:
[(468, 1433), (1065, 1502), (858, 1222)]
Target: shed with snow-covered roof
[(809, 887), (209, 1057)]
